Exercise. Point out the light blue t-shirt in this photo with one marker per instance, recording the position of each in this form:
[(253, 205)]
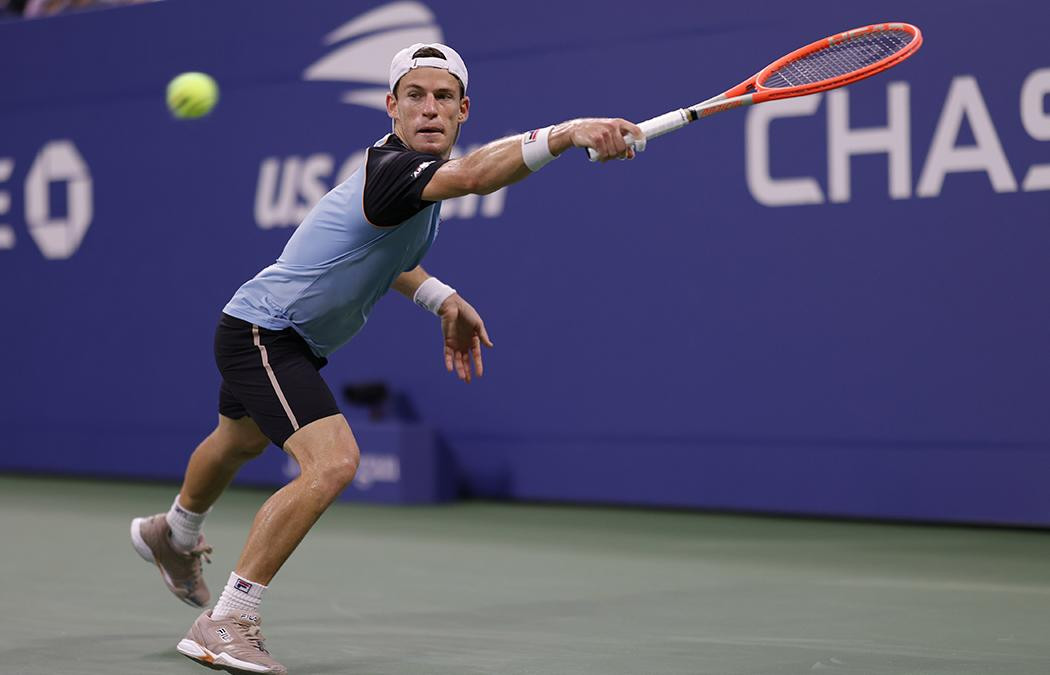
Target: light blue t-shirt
[(348, 251)]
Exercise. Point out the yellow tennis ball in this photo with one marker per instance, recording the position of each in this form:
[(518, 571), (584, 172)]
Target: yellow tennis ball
[(192, 95)]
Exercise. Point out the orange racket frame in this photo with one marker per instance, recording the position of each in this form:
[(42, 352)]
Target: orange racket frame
[(752, 91)]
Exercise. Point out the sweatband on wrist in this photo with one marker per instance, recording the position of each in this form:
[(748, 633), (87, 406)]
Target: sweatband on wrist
[(534, 148), (431, 293)]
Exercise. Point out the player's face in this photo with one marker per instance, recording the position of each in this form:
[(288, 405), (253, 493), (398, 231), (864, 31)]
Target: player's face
[(428, 110)]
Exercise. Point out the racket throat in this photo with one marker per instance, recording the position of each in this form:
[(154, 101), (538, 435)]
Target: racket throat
[(717, 105)]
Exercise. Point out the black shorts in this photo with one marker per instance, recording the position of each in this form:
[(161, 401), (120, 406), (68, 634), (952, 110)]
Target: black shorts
[(270, 376)]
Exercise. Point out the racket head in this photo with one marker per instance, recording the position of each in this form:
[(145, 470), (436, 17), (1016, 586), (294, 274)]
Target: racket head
[(836, 61)]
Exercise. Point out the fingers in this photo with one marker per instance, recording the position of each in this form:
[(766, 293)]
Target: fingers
[(484, 334), (611, 144), (633, 129), (465, 364), (462, 367), (608, 139), (619, 145), (479, 367), (462, 353)]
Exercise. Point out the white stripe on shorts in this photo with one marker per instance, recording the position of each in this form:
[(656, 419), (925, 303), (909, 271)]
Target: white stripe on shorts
[(273, 379)]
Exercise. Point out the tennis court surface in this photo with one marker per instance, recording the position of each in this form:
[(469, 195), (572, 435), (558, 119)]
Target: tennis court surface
[(476, 588)]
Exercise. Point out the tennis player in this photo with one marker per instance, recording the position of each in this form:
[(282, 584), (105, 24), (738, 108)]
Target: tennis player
[(368, 234)]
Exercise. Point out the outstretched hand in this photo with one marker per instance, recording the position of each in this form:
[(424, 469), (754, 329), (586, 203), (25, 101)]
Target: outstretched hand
[(464, 333), (605, 137)]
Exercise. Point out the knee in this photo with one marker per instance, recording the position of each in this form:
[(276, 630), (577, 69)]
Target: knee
[(335, 472), (327, 455), (240, 448), (341, 471), (239, 440), (252, 449)]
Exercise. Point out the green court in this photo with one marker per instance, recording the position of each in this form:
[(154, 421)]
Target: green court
[(475, 588)]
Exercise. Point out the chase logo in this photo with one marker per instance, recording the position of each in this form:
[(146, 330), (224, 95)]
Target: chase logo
[(56, 226), (941, 154), (374, 37)]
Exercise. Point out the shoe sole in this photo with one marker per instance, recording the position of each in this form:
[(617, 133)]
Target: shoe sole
[(146, 554), (139, 543), (220, 661)]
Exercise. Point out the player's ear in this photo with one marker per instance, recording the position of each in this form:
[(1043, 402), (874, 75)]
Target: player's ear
[(391, 106), (464, 108)]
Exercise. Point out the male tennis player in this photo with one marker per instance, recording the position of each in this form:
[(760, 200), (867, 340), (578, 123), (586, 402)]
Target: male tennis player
[(365, 236)]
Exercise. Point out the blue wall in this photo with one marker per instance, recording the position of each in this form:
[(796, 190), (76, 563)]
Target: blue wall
[(717, 324)]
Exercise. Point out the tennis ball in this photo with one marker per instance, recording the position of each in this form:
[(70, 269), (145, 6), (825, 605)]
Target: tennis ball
[(192, 95)]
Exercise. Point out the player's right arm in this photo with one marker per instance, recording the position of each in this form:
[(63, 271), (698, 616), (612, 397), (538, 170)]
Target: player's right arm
[(500, 163)]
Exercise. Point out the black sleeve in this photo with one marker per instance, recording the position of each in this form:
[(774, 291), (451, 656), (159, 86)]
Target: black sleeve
[(394, 182)]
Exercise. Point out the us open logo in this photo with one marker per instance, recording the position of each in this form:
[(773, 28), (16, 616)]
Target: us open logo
[(359, 55), (374, 38)]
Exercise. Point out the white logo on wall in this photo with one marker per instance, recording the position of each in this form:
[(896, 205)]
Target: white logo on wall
[(379, 34), (58, 236), (377, 468), (288, 187), (963, 104)]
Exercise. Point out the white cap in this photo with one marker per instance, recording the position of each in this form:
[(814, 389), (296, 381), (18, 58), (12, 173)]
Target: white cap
[(403, 62)]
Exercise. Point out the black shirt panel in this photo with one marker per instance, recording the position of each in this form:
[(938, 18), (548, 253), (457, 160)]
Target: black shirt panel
[(394, 180)]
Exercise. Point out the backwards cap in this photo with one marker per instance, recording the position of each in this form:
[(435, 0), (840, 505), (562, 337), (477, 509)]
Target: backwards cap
[(403, 62)]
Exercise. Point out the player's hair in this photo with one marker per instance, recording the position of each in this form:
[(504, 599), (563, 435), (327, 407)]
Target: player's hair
[(431, 52), (428, 52)]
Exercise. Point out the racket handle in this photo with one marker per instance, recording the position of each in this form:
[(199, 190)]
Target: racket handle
[(657, 126)]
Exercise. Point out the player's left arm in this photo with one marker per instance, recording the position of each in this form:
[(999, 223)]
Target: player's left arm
[(461, 326)]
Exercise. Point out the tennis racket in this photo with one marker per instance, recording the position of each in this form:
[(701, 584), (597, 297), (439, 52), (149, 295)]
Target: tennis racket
[(826, 64)]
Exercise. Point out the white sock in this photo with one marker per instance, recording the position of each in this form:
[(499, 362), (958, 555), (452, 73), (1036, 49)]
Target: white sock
[(241, 596), (185, 526)]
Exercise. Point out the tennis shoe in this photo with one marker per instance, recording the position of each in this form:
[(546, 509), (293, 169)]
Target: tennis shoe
[(181, 571), (234, 644)]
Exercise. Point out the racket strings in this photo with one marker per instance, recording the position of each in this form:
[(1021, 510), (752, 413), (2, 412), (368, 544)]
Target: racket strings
[(839, 59)]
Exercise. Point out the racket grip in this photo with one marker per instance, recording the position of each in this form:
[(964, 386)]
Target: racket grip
[(657, 126)]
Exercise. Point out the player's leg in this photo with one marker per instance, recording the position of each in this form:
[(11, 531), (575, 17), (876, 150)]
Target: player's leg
[(229, 634), (276, 378), (328, 456), (217, 459), (173, 541)]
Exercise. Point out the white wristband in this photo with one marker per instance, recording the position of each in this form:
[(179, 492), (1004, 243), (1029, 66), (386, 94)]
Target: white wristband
[(534, 148), (431, 293)]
